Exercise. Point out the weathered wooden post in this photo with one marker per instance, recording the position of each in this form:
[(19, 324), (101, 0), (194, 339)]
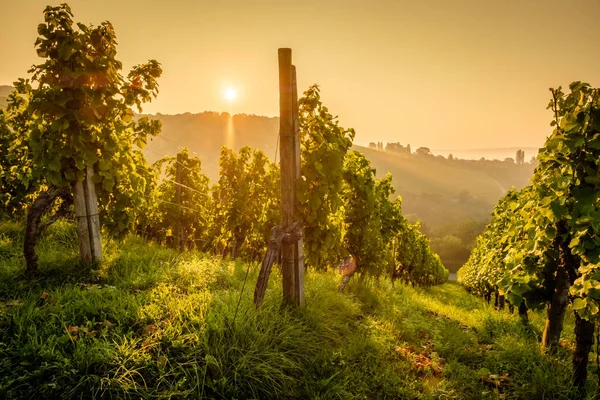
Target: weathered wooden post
[(179, 242), (288, 236), (88, 220), (299, 249), (289, 154)]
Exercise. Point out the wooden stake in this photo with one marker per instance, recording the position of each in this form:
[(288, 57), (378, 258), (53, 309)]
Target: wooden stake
[(83, 232), (289, 154), (88, 220), (286, 155), (298, 248), (93, 219), (179, 228)]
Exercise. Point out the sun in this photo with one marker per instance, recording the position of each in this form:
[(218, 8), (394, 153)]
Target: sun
[(230, 94)]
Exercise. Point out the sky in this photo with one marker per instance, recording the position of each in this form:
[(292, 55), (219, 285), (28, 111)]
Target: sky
[(446, 74)]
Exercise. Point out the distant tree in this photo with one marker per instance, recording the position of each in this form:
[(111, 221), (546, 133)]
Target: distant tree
[(408, 149), (392, 147), (450, 247), (509, 160), (397, 148), (450, 157), (423, 151), (373, 145), (468, 230), (482, 159), (520, 157)]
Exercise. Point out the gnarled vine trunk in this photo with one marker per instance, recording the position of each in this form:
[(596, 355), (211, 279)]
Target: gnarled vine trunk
[(238, 241), (496, 295), (500, 302), (523, 314), (488, 297), (555, 312), (584, 339), (348, 268), (34, 226)]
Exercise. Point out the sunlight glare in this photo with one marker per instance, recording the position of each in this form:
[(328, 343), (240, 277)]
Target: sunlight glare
[(230, 94)]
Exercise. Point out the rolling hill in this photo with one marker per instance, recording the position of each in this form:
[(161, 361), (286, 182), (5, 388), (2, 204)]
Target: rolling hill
[(436, 190)]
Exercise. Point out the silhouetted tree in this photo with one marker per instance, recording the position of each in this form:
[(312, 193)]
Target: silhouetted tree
[(520, 157), (423, 151)]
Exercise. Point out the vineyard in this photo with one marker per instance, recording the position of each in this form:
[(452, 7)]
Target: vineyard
[(124, 279), (541, 247), (66, 122)]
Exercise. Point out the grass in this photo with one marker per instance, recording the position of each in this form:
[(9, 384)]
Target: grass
[(153, 323)]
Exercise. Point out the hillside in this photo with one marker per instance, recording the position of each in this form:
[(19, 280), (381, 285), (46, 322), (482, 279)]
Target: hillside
[(436, 190), (207, 132), (154, 323)]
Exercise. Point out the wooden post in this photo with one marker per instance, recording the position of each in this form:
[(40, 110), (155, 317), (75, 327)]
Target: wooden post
[(88, 220), (289, 154), (93, 218), (299, 250), (178, 181)]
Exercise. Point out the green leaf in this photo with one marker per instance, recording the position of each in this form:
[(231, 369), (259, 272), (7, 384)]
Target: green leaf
[(579, 304)]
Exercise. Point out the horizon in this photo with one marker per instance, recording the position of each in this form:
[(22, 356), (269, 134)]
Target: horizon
[(460, 74), (456, 152)]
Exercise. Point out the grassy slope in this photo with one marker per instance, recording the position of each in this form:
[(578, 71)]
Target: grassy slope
[(154, 324)]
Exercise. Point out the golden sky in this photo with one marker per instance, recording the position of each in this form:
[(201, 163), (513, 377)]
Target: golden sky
[(448, 74)]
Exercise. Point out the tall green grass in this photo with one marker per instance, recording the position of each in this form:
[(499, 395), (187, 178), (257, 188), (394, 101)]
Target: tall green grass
[(152, 323)]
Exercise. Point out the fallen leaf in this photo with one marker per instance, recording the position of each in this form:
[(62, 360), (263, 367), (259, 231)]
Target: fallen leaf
[(107, 324), (72, 329), (149, 329)]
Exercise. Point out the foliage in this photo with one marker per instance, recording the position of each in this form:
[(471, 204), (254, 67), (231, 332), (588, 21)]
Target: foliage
[(17, 184), (486, 265), (342, 202), (162, 215), (80, 113), (417, 263), (553, 223), (246, 202), (323, 146)]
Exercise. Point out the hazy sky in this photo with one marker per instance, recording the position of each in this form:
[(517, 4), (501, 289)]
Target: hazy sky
[(449, 74)]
